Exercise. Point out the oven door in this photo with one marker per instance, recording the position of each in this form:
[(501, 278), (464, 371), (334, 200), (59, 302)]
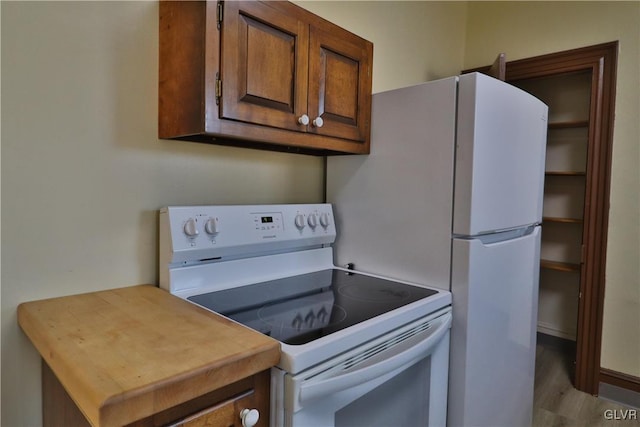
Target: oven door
[(399, 379)]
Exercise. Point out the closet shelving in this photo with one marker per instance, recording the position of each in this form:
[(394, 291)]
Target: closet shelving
[(568, 98), (565, 177)]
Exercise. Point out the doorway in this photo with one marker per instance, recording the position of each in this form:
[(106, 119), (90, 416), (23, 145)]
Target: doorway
[(579, 87)]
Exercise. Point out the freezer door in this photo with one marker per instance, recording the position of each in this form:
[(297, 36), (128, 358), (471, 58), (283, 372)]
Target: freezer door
[(500, 153), (493, 336)]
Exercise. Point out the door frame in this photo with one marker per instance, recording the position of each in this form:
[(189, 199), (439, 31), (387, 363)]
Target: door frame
[(601, 60)]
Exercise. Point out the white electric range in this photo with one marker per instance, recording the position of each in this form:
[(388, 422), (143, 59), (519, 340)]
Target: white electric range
[(357, 349)]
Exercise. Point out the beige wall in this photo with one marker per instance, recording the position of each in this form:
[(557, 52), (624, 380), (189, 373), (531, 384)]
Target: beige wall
[(413, 41), (525, 29), (83, 172)]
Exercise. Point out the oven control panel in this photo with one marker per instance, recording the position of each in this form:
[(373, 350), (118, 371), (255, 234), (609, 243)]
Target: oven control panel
[(197, 233)]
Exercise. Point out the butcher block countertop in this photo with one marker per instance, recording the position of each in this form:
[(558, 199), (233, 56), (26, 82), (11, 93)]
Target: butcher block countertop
[(124, 354)]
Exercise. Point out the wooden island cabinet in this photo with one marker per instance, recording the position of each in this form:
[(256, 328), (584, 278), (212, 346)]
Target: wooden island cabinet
[(262, 74), (222, 407), (139, 356)]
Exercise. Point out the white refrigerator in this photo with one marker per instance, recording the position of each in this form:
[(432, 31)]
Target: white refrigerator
[(451, 197)]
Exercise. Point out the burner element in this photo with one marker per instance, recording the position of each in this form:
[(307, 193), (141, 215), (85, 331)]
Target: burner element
[(302, 319), (362, 292)]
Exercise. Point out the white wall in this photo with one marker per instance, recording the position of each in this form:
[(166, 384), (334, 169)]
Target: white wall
[(525, 29), (83, 173)]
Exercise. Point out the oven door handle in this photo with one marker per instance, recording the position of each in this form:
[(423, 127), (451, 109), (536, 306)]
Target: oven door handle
[(311, 390)]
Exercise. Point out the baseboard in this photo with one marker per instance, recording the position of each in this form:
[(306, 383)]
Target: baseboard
[(619, 379), (549, 329), (619, 387), (553, 341)]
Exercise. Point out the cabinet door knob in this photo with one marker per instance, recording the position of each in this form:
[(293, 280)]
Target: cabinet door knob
[(249, 417), (318, 122), (303, 120)]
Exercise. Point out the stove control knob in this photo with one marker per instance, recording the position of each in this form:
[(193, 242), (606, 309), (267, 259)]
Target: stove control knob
[(190, 228), (324, 220), (211, 226), (312, 221), (299, 221), (249, 417)]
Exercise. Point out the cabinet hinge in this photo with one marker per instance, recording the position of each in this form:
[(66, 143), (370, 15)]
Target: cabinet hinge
[(220, 13), (218, 88), (582, 254)]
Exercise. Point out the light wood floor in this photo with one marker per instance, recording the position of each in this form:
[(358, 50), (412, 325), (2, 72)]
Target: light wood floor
[(558, 404)]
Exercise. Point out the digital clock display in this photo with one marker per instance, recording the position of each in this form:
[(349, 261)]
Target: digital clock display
[(267, 219)]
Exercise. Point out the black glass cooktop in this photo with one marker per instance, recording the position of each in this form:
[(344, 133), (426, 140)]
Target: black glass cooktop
[(300, 309)]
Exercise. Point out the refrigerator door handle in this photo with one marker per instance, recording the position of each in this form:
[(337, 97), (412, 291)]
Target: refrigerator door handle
[(502, 236)]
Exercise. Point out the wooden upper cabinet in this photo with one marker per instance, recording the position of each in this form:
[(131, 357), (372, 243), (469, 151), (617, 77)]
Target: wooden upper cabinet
[(263, 74)]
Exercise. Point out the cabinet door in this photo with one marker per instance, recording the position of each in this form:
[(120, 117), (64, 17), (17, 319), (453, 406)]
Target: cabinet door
[(339, 85), (264, 60)]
